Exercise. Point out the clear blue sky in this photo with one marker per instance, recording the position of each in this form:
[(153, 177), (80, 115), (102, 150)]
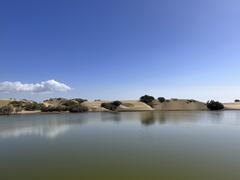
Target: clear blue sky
[(122, 49)]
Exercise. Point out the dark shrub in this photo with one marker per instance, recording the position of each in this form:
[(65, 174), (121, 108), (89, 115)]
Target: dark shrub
[(237, 100), (111, 105), (62, 108), (117, 103), (147, 99), (167, 101), (44, 108), (70, 103), (79, 100), (214, 105), (161, 99), (59, 108), (17, 104), (77, 108), (6, 110), (174, 99), (31, 106)]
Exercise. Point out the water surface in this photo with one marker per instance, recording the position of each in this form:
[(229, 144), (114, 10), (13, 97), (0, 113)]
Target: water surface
[(117, 146)]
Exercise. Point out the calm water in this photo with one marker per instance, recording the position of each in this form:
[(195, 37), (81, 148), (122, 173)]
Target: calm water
[(121, 146)]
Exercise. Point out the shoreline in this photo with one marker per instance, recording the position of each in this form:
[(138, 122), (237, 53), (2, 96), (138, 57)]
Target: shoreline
[(110, 106), (64, 112)]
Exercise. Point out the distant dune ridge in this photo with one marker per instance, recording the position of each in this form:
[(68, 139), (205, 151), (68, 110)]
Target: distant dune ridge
[(65, 105)]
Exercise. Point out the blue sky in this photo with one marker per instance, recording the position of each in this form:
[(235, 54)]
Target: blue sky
[(122, 49)]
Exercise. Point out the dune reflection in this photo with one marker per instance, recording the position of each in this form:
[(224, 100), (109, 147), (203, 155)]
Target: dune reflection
[(44, 126), (44, 131)]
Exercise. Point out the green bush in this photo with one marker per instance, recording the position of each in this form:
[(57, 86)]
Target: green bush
[(25, 105), (31, 106), (237, 100), (77, 108), (17, 104), (147, 99), (161, 99), (59, 108), (117, 103), (214, 105), (7, 110), (70, 103), (112, 106), (79, 100)]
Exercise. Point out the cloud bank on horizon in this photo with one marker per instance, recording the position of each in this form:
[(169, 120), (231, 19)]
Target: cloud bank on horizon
[(42, 87)]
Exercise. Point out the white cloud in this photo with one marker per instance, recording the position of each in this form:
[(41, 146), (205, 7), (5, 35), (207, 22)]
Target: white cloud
[(42, 87)]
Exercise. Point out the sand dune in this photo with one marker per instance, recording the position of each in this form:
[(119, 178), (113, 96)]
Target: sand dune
[(132, 105), (177, 105), (136, 105), (232, 106), (94, 106)]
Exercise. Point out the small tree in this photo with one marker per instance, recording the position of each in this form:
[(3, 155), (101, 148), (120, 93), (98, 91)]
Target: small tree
[(70, 103), (77, 108), (112, 106), (161, 99), (32, 106), (79, 100), (7, 110), (214, 105), (237, 100), (147, 99), (117, 103)]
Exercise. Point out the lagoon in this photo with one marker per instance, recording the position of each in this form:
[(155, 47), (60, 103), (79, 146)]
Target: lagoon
[(167, 145)]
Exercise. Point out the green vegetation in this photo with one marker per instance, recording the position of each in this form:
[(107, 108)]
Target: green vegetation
[(59, 108), (77, 108), (237, 100), (117, 103), (62, 104), (161, 99), (25, 105), (112, 106), (6, 110), (79, 100), (147, 99), (214, 105), (32, 106), (69, 103), (17, 104)]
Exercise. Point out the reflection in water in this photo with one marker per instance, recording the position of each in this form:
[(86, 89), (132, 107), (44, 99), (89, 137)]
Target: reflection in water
[(190, 145), (42, 130), (111, 116), (51, 126), (147, 118), (162, 118)]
